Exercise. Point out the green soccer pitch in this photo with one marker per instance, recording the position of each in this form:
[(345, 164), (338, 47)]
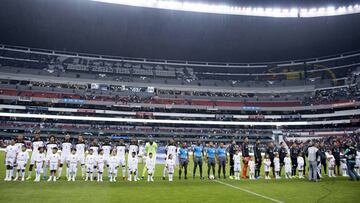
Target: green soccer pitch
[(338, 189)]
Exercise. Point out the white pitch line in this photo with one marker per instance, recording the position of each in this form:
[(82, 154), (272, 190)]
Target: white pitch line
[(248, 191)]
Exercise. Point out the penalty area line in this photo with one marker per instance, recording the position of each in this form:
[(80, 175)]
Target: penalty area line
[(248, 191)]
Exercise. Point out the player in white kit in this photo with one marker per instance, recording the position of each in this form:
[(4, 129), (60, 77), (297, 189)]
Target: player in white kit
[(80, 153), (287, 161), (113, 165), (251, 164), (95, 147), (150, 165), (49, 146), (120, 153), (107, 151), (100, 165), (10, 156), (21, 161), (54, 161), (72, 163), (170, 149), (65, 153), (133, 148), (90, 162), (36, 144), (170, 167), (277, 166), (133, 167), (237, 165), (39, 163)]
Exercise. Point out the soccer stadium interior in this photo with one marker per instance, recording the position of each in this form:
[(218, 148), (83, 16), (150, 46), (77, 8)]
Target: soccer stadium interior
[(189, 70)]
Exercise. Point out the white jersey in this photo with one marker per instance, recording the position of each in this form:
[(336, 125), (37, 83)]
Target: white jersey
[(107, 151), (54, 158), (66, 149), (113, 161), (170, 164), (49, 148), (237, 159), (72, 159), (100, 159), (277, 164), (22, 157), (90, 159), (150, 164), (40, 158), (95, 149), (11, 152), (133, 148), (331, 161), (19, 145), (133, 161), (287, 162), (300, 162), (252, 166), (267, 164), (36, 145), (80, 149), (120, 152), (171, 149)]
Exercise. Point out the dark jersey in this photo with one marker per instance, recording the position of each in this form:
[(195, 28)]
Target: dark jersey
[(294, 152), (282, 154), (336, 153), (257, 153), (245, 150), (232, 149), (270, 152)]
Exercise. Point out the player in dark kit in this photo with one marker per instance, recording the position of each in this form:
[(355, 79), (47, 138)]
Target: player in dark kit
[(336, 153), (232, 149), (258, 158), (270, 151), (294, 151), (282, 155)]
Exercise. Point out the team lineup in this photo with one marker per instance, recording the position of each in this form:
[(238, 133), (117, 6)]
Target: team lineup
[(47, 162)]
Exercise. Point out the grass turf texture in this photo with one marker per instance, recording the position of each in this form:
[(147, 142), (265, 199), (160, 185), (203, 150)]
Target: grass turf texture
[(338, 189)]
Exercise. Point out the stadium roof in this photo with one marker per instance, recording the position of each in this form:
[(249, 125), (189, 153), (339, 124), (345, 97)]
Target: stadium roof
[(108, 29)]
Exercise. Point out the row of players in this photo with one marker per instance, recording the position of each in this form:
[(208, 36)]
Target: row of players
[(44, 157)]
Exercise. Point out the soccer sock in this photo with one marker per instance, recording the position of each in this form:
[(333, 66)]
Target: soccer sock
[(17, 174), (179, 173), (123, 171), (60, 171), (23, 173), (91, 176), (82, 170), (164, 172), (144, 171), (44, 171), (7, 174), (200, 168), (67, 171), (11, 173)]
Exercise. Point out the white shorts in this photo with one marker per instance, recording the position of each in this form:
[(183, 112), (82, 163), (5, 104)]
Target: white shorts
[(81, 159), (150, 170), (53, 166), (101, 168), (252, 170), (287, 169), (63, 158), (237, 167), (72, 168), (171, 170), (33, 158), (112, 168), (133, 168), (300, 167), (10, 161), (89, 168), (122, 162), (21, 165), (39, 166)]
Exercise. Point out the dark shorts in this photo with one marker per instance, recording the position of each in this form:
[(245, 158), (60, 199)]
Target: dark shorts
[(222, 161), (211, 162), (183, 162), (198, 161)]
